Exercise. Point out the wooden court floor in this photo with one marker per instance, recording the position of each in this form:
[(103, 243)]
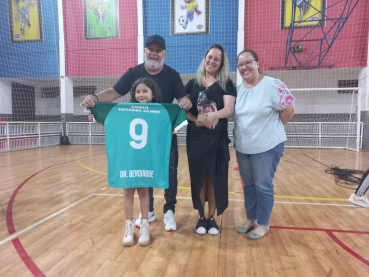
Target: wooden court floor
[(59, 218)]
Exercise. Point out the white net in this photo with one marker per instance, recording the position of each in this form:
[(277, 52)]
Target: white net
[(318, 50), (326, 48), (29, 74), (29, 64)]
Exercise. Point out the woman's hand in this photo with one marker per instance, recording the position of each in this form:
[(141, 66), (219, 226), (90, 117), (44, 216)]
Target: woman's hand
[(212, 120), (176, 132)]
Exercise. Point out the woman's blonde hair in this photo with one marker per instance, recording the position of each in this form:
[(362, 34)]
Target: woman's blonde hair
[(222, 73)]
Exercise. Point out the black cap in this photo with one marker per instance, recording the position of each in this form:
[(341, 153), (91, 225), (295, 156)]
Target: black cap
[(155, 39)]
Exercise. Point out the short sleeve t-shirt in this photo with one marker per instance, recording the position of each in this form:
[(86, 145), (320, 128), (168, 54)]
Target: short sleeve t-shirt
[(214, 93), (168, 80), (138, 139), (191, 6), (258, 127)]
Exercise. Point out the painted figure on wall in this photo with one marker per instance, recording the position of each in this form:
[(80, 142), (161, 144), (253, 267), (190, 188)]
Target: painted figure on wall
[(25, 21), (191, 7), (23, 9), (303, 6), (190, 17), (307, 13), (99, 7), (101, 19)]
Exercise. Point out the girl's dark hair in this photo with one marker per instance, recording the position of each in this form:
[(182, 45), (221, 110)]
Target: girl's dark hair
[(157, 97), (253, 54)]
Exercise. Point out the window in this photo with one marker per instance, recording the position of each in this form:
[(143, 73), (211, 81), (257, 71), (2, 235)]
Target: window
[(347, 84)]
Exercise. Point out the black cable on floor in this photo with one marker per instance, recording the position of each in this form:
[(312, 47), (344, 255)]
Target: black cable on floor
[(346, 178)]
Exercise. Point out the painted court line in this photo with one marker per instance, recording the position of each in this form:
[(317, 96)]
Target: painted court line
[(348, 249), (230, 192), (29, 263), (13, 236), (319, 230), (37, 272), (241, 200), (329, 232)]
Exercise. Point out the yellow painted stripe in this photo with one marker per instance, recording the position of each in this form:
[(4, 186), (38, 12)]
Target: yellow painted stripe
[(230, 192), (311, 198), (88, 168), (184, 188)]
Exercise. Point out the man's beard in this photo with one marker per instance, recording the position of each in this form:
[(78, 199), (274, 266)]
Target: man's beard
[(153, 64)]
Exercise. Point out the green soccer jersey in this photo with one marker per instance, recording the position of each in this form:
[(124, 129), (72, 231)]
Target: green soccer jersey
[(138, 139)]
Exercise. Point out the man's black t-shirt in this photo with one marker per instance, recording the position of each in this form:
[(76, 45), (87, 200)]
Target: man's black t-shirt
[(168, 80)]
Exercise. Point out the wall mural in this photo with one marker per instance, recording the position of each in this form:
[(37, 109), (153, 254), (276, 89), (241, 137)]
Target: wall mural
[(25, 20), (308, 11), (101, 19), (190, 17)]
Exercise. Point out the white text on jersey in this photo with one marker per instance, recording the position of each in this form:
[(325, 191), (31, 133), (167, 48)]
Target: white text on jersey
[(137, 173)]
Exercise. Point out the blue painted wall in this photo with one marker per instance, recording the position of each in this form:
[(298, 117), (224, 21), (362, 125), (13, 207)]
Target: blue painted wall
[(30, 60), (184, 53)]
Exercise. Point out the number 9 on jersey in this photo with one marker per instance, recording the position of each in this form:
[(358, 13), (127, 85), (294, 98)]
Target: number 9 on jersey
[(141, 138)]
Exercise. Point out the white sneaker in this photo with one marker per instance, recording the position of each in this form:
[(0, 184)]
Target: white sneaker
[(359, 200), (170, 222), (144, 233), (128, 238), (150, 218)]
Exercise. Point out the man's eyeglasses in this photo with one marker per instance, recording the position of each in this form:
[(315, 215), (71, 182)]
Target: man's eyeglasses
[(247, 64)]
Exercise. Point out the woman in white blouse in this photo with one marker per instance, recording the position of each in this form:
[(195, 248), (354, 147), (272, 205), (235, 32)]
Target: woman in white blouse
[(263, 106)]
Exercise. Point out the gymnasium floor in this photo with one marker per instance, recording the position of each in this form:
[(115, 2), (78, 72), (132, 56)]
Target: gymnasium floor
[(59, 218)]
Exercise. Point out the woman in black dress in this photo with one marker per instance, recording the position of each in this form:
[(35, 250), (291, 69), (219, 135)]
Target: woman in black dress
[(207, 142)]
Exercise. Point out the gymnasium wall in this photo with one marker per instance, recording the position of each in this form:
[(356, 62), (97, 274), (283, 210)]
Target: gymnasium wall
[(100, 62), (185, 53), (319, 102), (29, 60), (263, 34), (100, 57)]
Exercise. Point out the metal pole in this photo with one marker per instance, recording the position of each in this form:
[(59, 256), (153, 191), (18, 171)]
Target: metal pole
[(320, 135), (39, 134), (358, 120), (140, 36), (89, 133), (7, 135), (240, 34)]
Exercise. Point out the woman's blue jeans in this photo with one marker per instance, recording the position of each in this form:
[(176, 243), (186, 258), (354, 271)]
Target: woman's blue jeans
[(257, 173)]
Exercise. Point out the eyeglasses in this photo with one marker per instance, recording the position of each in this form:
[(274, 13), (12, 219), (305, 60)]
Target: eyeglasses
[(247, 64)]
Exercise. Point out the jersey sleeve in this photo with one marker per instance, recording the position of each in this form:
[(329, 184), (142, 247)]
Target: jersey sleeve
[(101, 111), (124, 83), (177, 116), (280, 95)]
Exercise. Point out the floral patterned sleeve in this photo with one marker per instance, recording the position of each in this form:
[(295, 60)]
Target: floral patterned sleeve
[(281, 96)]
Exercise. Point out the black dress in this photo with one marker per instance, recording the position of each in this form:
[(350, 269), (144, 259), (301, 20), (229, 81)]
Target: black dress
[(207, 149)]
